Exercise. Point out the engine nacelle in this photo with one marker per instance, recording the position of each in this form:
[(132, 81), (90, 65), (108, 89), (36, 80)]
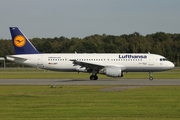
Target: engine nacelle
[(113, 72)]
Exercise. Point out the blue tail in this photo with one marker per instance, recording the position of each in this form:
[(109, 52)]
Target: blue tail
[(21, 43)]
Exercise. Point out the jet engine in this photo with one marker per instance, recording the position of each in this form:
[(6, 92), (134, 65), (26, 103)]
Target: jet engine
[(113, 72)]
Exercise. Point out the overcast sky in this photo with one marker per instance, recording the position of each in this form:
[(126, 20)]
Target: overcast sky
[(81, 18)]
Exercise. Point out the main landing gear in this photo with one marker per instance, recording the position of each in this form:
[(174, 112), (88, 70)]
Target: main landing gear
[(150, 76), (93, 77)]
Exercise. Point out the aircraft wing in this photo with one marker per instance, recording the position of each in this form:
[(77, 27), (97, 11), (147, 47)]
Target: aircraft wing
[(94, 66), (89, 66)]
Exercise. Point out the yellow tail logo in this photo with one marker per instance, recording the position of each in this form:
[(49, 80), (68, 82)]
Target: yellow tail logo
[(19, 41)]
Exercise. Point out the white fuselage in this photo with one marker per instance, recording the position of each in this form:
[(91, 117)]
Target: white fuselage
[(128, 62)]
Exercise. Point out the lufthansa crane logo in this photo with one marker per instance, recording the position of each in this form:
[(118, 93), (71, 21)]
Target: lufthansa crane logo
[(19, 41)]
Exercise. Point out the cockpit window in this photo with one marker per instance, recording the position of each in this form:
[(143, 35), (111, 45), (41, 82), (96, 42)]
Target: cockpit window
[(163, 59)]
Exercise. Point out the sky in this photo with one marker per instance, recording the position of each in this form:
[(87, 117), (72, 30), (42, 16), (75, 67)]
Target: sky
[(82, 18)]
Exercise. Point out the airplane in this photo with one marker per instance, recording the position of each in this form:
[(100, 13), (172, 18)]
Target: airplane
[(109, 64)]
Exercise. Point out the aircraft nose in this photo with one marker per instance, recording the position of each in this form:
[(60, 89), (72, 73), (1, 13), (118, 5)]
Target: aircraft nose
[(171, 65)]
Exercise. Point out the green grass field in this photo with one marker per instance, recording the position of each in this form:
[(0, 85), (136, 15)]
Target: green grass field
[(89, 102), (31, 73)]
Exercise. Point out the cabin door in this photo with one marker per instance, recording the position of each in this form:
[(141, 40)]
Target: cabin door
[(151, 59), (40, 61)]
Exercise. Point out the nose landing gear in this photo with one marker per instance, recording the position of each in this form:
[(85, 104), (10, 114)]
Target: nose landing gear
[(150, 76)]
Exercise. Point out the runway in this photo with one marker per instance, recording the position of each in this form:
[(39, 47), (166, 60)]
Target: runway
[(132, 82)]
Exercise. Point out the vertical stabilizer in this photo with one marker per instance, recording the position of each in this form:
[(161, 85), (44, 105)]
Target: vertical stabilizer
[(21, 43)]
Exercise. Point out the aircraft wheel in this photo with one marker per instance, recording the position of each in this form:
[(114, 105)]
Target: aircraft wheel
[(96, 77), (151, 78), (93, 77)]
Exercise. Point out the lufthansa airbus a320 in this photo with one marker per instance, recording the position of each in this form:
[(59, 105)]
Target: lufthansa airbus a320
[(113, 65)]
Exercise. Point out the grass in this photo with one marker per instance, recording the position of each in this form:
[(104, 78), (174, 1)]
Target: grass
[(89, 102), (31, 73)]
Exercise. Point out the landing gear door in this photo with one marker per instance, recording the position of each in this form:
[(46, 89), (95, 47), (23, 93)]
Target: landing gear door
[(40, 61), (151, 59)]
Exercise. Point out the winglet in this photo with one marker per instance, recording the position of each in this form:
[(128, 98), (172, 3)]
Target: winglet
[(21, 43)]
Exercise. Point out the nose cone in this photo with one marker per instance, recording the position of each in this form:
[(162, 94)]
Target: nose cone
[(170, 65)]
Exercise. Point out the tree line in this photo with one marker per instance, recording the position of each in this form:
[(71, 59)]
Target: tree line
[(165, 44)]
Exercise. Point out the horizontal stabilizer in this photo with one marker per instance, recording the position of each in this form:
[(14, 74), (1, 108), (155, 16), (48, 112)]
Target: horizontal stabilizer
[(13, 58)]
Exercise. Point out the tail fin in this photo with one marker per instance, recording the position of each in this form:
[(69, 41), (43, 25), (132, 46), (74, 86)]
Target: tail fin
[(21, 43)]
